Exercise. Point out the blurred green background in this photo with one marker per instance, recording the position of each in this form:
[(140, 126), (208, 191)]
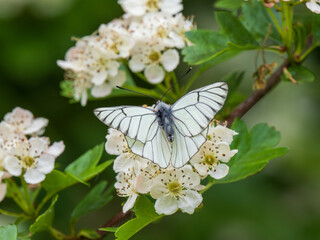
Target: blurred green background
[(281, 202)]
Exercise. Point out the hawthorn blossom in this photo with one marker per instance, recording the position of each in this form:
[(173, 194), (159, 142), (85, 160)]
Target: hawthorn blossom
[(176, 189), (141, 7), (33, 158), (314, 6), (125, 187), (23, 120), (150, 58), (126, 161)]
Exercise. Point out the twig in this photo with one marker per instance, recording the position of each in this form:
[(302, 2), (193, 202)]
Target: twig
[(245, 106)]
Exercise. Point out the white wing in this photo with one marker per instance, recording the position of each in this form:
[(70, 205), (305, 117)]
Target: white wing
[(194, 111), (137, 123), (143, 134), (192, 115)]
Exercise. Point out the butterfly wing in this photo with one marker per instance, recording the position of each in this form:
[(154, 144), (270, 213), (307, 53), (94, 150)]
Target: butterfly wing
[(137, 123), (192, 115), (143, 134)]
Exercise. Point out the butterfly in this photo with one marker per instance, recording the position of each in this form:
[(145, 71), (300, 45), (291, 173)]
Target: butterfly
[(168, 134)]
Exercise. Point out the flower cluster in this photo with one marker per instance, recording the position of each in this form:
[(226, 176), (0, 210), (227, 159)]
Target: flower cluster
[(172, 188), (146, 37), (23, 150)]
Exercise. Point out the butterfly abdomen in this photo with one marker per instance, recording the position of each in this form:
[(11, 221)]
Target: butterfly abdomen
[(165, 120)]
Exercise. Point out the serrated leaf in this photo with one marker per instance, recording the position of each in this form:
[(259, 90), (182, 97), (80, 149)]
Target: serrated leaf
[(86, 166), (94, 200), (89, 234), (255, 150), (44, 221), (145, 214), (8, 232), (207, 44), (233, 29), (256, 20), (298, 73)]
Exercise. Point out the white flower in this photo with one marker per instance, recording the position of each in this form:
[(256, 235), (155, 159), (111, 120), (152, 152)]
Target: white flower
[(176, 189), (151, 58), (126, 161), (10, 136), (177, 33), (314, 6), (220, 134), (140, 7), (23, 120), (125, 187), (115, 38), (208, 160), (146, 177), (34, 157)]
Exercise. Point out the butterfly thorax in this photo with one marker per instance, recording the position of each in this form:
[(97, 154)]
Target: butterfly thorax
[(165, 119)]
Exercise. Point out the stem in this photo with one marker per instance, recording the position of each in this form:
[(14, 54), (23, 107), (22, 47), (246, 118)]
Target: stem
[(274, 19), (12, 214), (59, 235), (26, 194), (306, 53), (16, 195), (43, 202)]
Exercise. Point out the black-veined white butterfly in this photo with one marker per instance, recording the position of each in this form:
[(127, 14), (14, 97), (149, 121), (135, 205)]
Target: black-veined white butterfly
[(168, 134)]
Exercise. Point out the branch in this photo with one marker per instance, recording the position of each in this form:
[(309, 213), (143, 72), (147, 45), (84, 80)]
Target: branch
[(245, 106)]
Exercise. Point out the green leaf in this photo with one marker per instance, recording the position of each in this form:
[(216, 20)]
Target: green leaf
[(207, 44), (233, 29), (89, 234), (145, 214), (257, 21), (255, 150), (8, 232), (57, 181), (44, 221), (67, 88), (85, 167), (316, 29), (109, 229), (91, 202), (299, 73), (229, 4)]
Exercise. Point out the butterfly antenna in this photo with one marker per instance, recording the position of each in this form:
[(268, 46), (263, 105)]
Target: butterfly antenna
[(190, 68), (136, 92)]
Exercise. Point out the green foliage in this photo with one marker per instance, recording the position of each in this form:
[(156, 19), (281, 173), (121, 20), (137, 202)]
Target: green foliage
[(298, 73), (145, 214), (316, 29), (255, 149), (88, 234), (44, 221), (94, 200), (228, 4), (257, 21), (8, 232), (238, 35)]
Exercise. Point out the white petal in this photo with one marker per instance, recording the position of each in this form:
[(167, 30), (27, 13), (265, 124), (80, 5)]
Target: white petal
[(136, 63), (133, 7), (101, 90), (33, 176), (38, 146), (170, 60), (197, 162), (119, 79), (129, 203), (143, 183), (99, 77), (84, 98), (158, 189), (37, 125), (123, 163), (221, 134), (189, 177), (45, 163), (313, 6), (190, 201), (3, 191), (220, 171), (113, 67), (12, 165), (116, 143), (166, 205), (56, 148), (154, 73)]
